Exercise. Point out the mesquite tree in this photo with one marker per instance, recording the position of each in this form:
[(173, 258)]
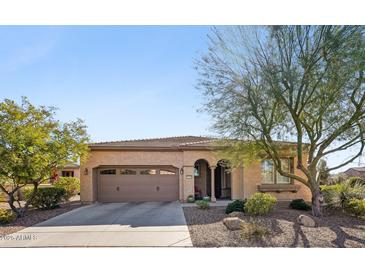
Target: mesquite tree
[(303, 84), (33, 144)]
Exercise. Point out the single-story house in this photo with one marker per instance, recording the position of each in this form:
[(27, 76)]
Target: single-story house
[(174, 168), (356, 172), (70, 170)]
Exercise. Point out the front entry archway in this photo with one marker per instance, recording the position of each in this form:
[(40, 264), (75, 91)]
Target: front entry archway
[(207, 177), (222, 178), (202, 179)]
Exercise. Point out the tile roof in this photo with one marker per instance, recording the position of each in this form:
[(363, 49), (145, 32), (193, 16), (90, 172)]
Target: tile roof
[(72, 165), (360, 169), (177, 142), (167, 142)]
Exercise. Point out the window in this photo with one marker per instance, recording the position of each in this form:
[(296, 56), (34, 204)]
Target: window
[(125, 171), (108, 172), (67, 173), (271, 176), (267, 170), (148, 172), (285, 165), (166, 172)]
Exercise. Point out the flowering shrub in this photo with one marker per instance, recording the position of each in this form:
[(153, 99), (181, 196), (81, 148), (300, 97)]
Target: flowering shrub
[(260, 204)]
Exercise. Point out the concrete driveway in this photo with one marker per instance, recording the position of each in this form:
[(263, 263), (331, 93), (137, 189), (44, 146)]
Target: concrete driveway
[(109, 225)]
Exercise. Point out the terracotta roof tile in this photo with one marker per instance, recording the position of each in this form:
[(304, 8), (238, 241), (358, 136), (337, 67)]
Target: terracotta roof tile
[(157, 142), (167, 142)]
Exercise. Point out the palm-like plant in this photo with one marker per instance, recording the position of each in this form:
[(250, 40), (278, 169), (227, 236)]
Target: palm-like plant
[(338, 195)]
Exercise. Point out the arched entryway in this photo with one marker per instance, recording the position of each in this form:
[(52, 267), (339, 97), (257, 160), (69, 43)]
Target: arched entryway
[(207, 177), (222, 180), (202, 179)]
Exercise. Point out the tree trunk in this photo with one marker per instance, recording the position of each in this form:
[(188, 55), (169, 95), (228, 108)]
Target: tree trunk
[(11, 201), (20, 212), (317, 200), (24, 209)]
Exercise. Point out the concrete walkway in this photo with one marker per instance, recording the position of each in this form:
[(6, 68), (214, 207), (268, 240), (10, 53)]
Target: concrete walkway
[(109, 225), (218, 203)]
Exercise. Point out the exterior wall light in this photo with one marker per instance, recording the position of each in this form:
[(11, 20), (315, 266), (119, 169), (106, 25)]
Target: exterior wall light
[(86, 171)]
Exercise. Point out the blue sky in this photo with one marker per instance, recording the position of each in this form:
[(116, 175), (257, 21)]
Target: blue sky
[(125, 82)]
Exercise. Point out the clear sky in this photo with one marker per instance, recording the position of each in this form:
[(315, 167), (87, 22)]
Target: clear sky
[(125, 82)]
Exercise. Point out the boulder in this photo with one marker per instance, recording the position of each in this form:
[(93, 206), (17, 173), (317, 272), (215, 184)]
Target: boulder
[(236, 214), (305, 220), (233, 223)]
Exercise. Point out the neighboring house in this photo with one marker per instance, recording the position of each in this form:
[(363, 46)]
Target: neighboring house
[(169, 169), (356, 172), (70, 170)]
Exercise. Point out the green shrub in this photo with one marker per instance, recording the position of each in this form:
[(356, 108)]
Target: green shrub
[(339, 178), (190, 199), (329, 193), (355, 207), (237, 205), (6, 216), (25, 191), (299, 204), (47, 198), (2, 197), (260, 204), (338, 195), (202, 204), (70, 184), (253, 230), (353, 181)]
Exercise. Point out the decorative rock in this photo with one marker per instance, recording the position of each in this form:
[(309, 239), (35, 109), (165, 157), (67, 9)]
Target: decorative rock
[(305, 220), (236, 214), (233, 223)]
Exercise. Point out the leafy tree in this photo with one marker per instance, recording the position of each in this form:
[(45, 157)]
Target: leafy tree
[(32, 145), (304, 84), (323, 173)]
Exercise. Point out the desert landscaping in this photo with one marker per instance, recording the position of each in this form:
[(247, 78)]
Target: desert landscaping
[(334, 229)]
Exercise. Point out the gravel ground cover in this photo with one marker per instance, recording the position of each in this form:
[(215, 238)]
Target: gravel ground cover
[(334, 229), (34, 216)]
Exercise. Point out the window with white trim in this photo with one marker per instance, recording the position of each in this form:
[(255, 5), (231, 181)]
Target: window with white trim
[(270, 175)]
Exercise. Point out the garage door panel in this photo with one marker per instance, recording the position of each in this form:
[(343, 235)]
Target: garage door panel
[(138, 188)]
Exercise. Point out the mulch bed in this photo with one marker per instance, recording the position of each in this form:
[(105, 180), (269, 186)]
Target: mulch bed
[(335, 229), (34, 216)]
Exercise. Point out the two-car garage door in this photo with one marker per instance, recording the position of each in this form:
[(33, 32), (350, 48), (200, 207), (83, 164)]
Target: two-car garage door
[(138, 184)]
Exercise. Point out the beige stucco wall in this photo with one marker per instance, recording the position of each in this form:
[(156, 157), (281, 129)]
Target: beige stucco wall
[(244, 179), (237, 184), (252, 179)]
